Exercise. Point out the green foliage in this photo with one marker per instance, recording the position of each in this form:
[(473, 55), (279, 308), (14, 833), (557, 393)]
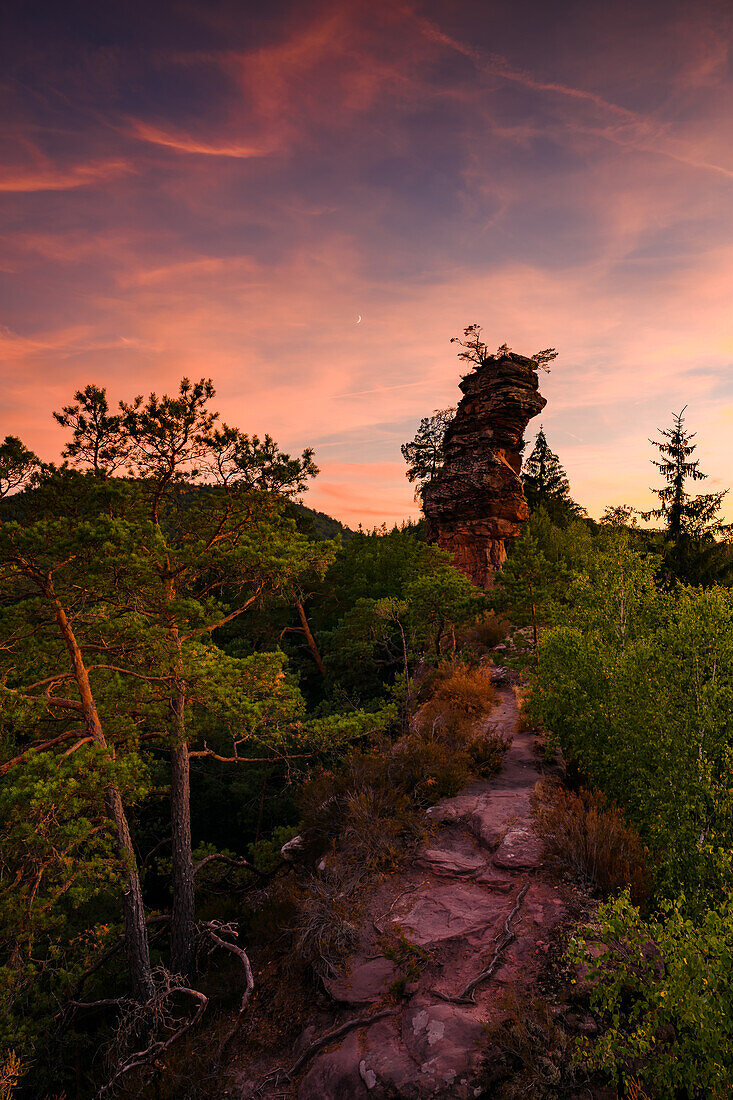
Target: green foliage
[(637, 686), (390, 600), (17, 465), (425, 454), (527, 586), (546, 484), (661, 992)]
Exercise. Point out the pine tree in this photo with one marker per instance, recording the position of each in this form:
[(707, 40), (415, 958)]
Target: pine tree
[(683, 514), (424, 454), (692, 522), (546, 483)]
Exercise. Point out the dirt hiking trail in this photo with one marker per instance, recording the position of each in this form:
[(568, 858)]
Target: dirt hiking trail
[(469, 918)]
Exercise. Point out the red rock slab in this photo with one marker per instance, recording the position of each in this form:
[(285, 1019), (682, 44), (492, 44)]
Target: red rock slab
[(455, 864), (366, 982), (371, 1062), (445, 1040), (520, 850), (445, 912)]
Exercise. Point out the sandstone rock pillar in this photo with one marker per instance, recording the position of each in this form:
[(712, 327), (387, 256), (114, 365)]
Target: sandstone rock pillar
[(476, 504)]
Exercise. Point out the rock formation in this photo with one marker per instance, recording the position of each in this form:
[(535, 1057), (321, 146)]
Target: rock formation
[(476, 503)]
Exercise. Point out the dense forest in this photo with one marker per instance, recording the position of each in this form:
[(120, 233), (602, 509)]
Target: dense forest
[(206, 686)]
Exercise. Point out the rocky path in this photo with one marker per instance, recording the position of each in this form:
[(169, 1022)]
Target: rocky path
[(472, 916)]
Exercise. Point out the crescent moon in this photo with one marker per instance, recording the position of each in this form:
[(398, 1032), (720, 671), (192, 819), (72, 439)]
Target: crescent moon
[(358, 319)]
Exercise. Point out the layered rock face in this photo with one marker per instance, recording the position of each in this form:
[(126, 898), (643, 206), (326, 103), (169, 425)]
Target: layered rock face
[(476, 504)]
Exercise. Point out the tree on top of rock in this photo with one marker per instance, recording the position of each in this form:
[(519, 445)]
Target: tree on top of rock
[(476, 352), (546, 483)]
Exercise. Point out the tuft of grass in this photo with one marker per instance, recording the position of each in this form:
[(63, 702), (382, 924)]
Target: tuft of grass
[(586, 835), (409, 960), (326, 929)]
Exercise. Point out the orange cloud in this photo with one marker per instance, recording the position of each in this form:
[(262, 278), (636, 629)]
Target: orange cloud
[(183, 143), (50, 178)]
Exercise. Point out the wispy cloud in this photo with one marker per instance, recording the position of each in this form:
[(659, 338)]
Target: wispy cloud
[(184, 143), (48, 177)]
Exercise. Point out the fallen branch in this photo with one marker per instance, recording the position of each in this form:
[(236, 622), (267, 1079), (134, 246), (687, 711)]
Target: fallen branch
[(466, 996)]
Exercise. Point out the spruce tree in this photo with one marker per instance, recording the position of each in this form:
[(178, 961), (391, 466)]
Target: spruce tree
[(546, 483), (691, 522)]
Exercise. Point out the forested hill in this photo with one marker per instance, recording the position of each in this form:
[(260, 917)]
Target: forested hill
[(318, 524)]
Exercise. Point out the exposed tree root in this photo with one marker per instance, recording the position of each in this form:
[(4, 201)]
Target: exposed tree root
[(466, 996), (280, 1074)]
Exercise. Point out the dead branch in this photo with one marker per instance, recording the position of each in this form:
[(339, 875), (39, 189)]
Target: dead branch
[(220, 858), (158, 1047), (236, 759), (213, 928)]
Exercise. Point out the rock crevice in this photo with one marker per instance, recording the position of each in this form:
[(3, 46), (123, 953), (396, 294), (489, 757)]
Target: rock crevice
[(475, 504)]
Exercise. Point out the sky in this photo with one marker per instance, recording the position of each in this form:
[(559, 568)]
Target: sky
[(222, 189)]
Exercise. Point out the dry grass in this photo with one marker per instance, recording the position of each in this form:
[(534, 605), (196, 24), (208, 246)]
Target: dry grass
[(460, 697), (587, 836), (487, 632), (326, 926), (486, 753), (531, 1054)]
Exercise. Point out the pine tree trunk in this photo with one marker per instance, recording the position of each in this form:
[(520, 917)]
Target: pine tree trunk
[(136, 934), (183, 920), (183, 915), (137, 947), (309, 638)]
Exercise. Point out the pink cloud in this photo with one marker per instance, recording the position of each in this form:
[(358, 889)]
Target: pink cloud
[(48, 177)]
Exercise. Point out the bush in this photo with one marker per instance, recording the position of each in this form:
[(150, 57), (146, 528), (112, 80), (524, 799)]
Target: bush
[(428, 768), (460, 696), (489, 631), (661, 993), (585, 835), (380, 826), (530, 1054), (486, 753)]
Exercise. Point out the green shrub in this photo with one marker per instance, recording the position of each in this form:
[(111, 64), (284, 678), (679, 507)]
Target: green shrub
[(637, 686), (661, 992)]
